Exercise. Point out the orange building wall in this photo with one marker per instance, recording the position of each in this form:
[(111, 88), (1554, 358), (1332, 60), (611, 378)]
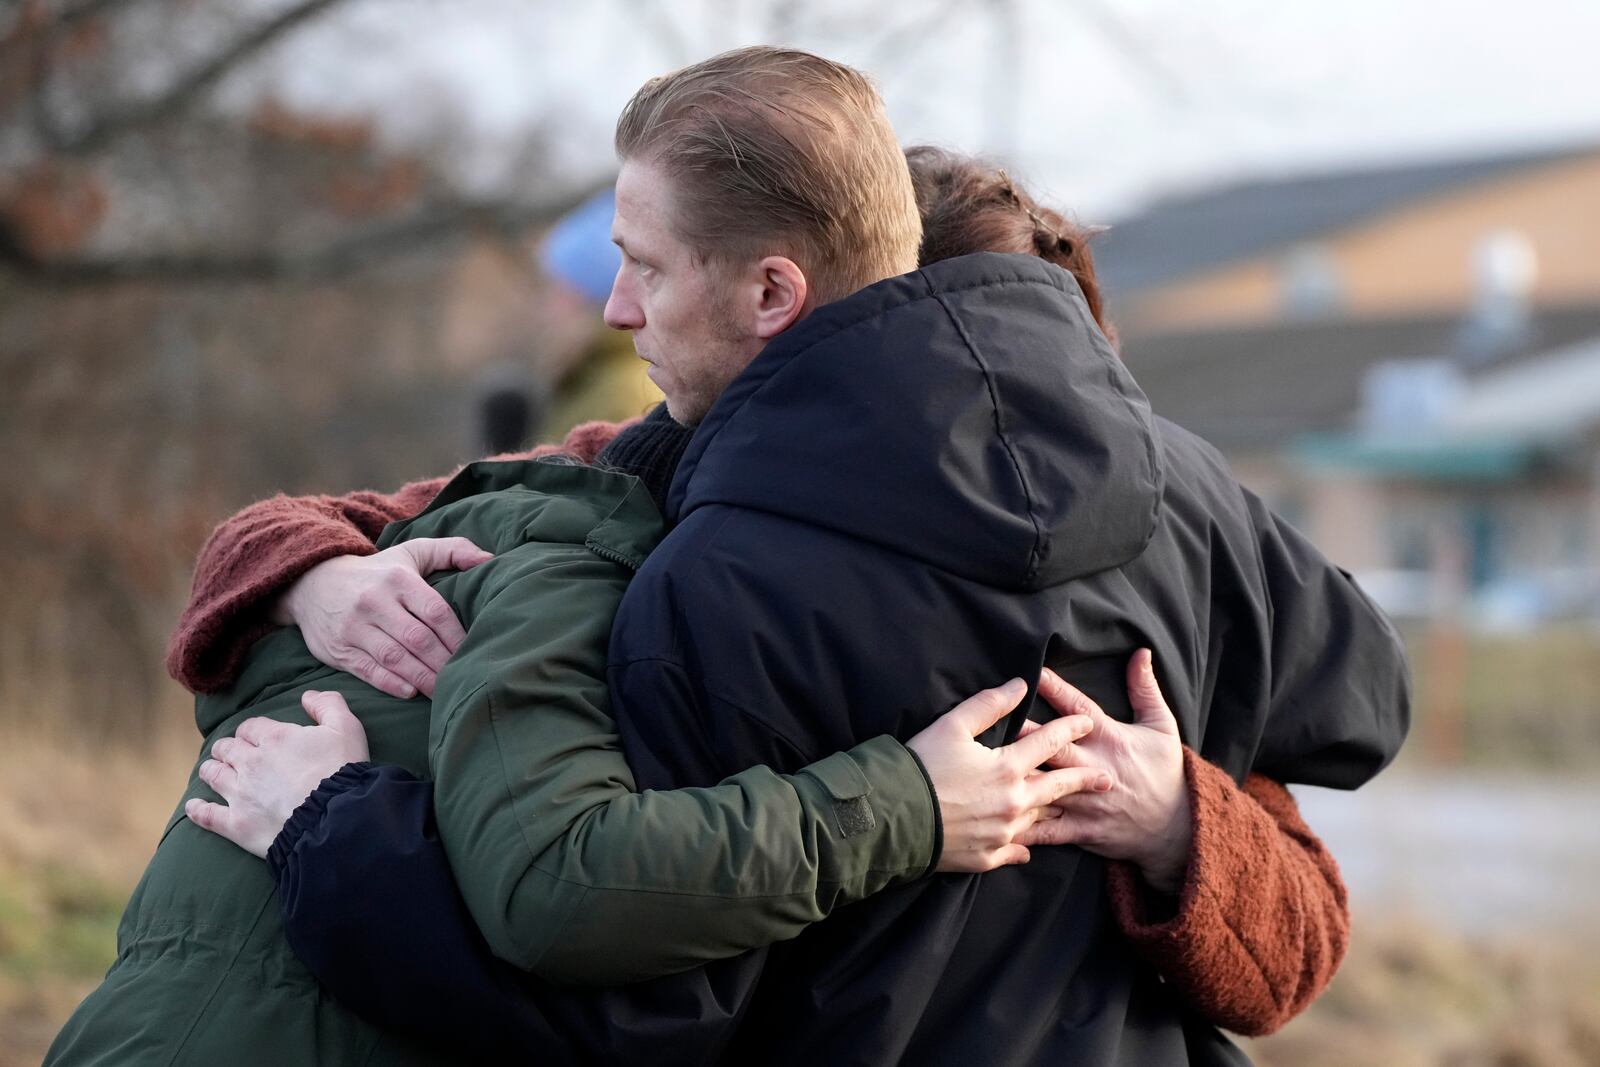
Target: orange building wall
[(1417, 259)]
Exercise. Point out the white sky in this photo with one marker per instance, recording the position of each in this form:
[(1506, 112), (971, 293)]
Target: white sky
[(1100, 105)]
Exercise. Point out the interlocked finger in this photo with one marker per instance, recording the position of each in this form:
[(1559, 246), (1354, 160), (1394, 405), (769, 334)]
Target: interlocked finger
[(1051, 787), (1041, 745), (1007, 855), (1066, 756), (1087, 805), (1061, 831), (1066, 698), (982, 710)]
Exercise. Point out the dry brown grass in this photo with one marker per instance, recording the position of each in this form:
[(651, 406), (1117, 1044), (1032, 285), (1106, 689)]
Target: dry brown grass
[(77, 827), (1411, 995), (76, 830), (1517, 700)]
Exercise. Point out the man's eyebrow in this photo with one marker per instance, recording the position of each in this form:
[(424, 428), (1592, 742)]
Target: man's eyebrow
[(630, 253)]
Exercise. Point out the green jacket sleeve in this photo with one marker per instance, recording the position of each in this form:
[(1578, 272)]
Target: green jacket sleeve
[(571, 874)]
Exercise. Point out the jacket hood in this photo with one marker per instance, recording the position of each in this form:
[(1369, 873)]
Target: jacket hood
[(970, 414)]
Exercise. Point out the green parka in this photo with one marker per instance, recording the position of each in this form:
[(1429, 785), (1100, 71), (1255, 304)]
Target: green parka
[(569, 873)]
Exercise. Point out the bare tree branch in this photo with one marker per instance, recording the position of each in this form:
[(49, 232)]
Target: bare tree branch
[(187, 88), (499, 221)]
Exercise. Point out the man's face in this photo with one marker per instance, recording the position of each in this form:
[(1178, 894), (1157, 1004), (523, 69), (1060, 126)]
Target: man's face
[(684, 315)]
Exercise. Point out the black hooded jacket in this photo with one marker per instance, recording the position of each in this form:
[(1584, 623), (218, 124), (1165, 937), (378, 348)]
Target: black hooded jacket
[(921, 490), (940, 482)]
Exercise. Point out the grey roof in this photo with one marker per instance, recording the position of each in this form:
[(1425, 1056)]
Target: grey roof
[(1183, 235), (1260, 387), (1554, 395)]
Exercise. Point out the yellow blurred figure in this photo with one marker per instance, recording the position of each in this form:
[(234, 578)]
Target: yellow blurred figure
[(608, 383)]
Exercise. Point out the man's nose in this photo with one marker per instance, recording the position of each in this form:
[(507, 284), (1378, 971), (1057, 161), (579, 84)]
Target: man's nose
[(622, 311)]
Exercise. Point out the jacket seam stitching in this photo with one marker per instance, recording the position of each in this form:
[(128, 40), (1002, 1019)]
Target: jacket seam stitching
[(999, 432), (1151, 458)]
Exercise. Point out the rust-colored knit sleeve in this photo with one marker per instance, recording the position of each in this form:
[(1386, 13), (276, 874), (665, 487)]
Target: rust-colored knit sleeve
[(249, 560), (1262, 920)]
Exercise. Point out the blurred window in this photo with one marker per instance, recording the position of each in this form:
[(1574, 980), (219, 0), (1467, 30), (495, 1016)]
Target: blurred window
[(1311, 284)]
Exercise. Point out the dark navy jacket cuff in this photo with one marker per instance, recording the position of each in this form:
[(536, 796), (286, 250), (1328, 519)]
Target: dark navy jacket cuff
[(310, 812)]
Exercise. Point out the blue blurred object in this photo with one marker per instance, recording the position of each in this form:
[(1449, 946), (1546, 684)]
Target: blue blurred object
[(579, 250)]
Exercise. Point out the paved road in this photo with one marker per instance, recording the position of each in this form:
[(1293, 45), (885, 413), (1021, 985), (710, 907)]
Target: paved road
[(1474, 852)]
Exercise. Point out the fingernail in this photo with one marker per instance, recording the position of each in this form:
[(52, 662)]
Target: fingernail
[(1102, 783)]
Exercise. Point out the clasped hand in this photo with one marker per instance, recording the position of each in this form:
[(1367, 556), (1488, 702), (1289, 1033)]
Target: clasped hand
[(1144, 817), (1116, 789), (1085, 779)]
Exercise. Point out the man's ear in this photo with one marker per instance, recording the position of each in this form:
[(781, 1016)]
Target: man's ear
[(784, 297)]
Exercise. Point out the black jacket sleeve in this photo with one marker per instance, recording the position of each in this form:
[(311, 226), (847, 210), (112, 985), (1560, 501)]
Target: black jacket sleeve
[(370, 905), (1341, 688)]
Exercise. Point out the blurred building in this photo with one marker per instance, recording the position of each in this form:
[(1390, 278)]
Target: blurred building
[(195, 320), (1404, 361)]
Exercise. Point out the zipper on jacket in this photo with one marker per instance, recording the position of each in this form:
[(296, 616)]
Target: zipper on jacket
[(613, 555)]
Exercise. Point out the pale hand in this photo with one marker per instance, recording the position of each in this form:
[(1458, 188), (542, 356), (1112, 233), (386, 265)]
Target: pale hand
[(375, 617), (990, 797), (1144, 818), (268, 768)]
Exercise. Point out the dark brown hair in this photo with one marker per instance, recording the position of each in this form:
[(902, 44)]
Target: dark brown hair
[(969, 206)]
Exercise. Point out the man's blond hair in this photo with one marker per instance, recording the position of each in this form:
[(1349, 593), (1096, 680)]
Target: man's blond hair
[(774, 151)]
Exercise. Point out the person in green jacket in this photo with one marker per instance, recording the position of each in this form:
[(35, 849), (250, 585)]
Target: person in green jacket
[(569, 873)]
